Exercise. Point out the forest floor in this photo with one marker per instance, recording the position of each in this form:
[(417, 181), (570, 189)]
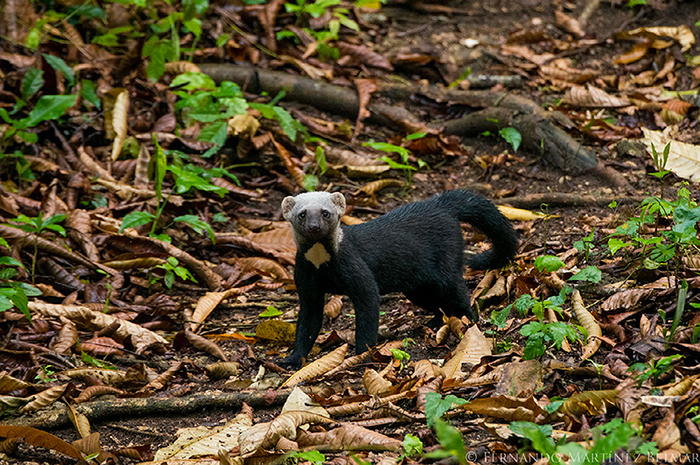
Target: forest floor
[(94, 211)]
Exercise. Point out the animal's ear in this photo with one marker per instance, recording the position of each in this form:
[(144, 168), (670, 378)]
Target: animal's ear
[(339, 202), (287, 206)]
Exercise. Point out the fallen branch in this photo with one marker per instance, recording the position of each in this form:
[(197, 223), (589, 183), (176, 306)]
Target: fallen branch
[(57, 416), (498, 110), (567, 199)]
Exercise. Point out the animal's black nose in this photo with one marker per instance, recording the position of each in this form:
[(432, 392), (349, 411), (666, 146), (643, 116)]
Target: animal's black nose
[(314, 228)]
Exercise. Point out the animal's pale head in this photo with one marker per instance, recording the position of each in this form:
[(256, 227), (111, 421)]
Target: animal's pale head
[(314, 215)]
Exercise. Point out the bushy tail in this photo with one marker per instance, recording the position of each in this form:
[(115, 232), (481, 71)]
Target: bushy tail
[(479, 212)]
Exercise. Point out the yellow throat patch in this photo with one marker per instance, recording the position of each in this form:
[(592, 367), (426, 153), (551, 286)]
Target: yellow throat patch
[(318, 255)]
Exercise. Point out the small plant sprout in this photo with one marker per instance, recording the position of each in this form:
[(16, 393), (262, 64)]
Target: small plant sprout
[(401, 357), (172, 269), (653, 369)]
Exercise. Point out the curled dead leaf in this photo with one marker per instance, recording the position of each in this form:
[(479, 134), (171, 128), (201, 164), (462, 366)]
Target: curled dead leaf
[(319, 367), (586, 320)]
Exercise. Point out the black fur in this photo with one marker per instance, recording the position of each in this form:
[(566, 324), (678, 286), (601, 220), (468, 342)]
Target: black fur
[(416, 249)]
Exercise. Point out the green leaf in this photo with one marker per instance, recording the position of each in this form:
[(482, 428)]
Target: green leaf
[(412, 446), (19, 299), (538, 435), (436, 406), (48, 107), (615, 244), (512, 136), (548, 263), (416, 135), (88, 91), (185, 180), (31, 83), (321, 159), (61, 66), (169, 279), (193, 81), (3, 243), (590, 273), (198, 225), (161, 166), (310, 182), (270, 312), (135, 219), (215, 133), (451, 439)]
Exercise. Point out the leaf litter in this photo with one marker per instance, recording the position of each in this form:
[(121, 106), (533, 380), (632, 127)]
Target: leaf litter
[(147, 263)]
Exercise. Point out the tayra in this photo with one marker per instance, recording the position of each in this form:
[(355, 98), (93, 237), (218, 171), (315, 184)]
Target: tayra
[(416, 249)]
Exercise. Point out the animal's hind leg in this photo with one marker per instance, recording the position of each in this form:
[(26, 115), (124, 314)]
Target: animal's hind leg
[(455, 301), (428, 300)]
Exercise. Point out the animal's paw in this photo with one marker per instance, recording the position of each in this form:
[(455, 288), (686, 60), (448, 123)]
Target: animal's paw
[(292, 363)]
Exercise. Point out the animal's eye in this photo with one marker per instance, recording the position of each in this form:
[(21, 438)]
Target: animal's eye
[(326, 214), (302, 215)]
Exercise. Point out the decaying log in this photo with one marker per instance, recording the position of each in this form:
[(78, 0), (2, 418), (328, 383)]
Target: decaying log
[(540, 129), (57, 416)]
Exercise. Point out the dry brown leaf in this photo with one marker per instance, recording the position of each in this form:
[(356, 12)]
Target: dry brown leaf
[(80, 421), (636, 53), (295, 172), (485, 283), (588, 403), (319, 367), (349, 437), (120, 115), (336, 156), (141, 337), (681, 34), (80, 230), (569, 24), (683, 158), (110, 377), (425, 369), (365, 88), (591, 96), (678, 389), (41, 439), (102, 346), (266, 435), (93, 166), (90, 446), (375, 384), (442, 334), (473, 346), (180, 67), (9, 384), (365, 55), (135, 263), (589, 323), (333, 307), (517, 214), (220, 370), (206, 304), (265, 266), (202, 441), (96, 391), (67, 337), (507, 408), (44, 398), (202, 343), (141, 172), (497, 290), (161, 380), (374, 187)]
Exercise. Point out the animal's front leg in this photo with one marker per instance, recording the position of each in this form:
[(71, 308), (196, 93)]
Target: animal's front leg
[(308, 324), (365, 298)]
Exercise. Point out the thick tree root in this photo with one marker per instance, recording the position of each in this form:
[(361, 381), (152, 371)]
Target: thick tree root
[(57, 416), (493, 111)]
